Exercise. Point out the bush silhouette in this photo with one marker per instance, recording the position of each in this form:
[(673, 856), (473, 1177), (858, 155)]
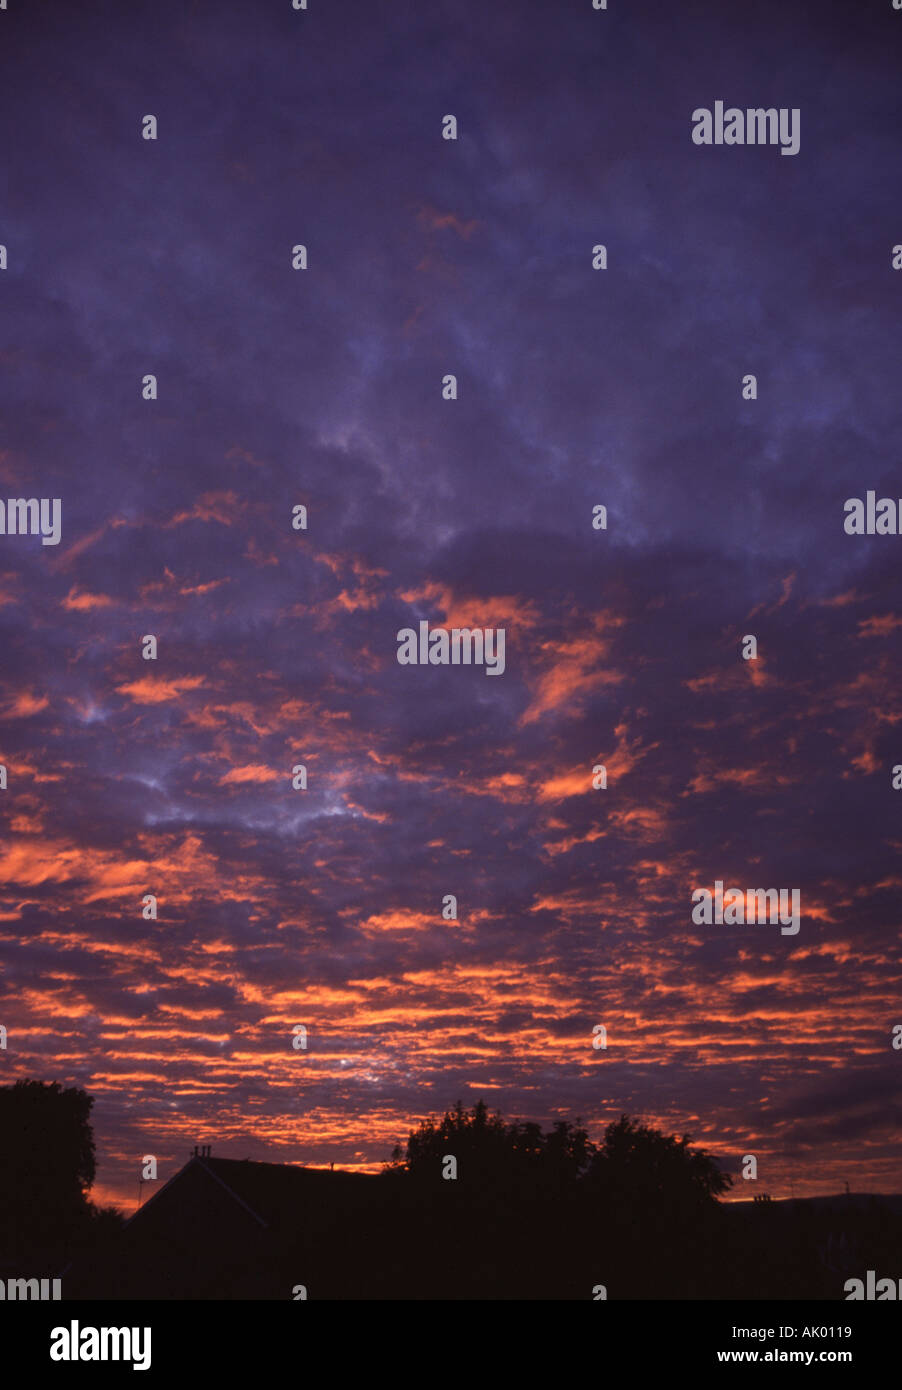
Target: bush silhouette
[(47, 1164), (492, 1153)]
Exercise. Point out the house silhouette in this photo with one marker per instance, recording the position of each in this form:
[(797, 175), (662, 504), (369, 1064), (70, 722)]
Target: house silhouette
[(235, 1228)]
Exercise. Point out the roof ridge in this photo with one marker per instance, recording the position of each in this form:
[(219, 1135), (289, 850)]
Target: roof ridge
[(240, 1200)]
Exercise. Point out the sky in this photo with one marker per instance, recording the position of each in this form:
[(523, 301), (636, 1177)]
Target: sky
[(576, 387)]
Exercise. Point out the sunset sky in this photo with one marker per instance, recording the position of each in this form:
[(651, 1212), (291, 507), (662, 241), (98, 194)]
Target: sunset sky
[(276, 647)]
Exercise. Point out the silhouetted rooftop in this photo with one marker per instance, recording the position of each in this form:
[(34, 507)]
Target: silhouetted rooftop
[(273, 1193)]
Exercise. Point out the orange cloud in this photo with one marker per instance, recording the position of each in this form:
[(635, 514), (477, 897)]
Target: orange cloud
[(252, 772), (575, 668), (751, 778), (155, 691), (24, 705), (473, 612), (400, 920), (84, 602), (211, 506), (880, 626), (439, 221), (578, 780), (203, 588)]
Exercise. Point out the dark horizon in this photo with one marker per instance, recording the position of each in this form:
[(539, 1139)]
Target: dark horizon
[(472, 1207)]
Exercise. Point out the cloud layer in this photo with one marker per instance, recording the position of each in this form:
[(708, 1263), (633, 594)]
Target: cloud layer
[(277, 647)]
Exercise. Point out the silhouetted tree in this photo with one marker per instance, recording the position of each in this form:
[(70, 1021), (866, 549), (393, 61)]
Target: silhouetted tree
[(651, 1209), (467, 1134), (508, 1222), (46, 1163), (518, 1156), (646, 1169)]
